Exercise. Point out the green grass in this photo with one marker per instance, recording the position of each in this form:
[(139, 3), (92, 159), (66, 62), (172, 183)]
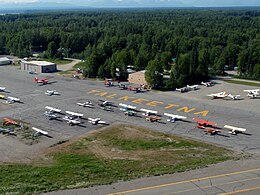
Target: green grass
[(80, 65), (248, 83), (116, 153)]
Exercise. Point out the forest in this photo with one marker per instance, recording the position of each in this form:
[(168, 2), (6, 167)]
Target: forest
[(188, 45)]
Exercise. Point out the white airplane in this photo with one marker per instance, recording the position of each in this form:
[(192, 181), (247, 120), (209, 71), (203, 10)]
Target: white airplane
[(73, 121), (11, 100), (148, 112), (74, 114), (53, 110), (50, 115), (182, 90), (39, 132), (254, 93), (235, 130), (173, 118), (206, 84), (86, 104), (96, 121), (52, 92), (105, 103), (234, 97), (218, 95), (126, 107), (192, 87), (2, 89)]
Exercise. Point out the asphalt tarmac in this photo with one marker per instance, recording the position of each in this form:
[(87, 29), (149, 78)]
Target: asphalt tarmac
[(243, 113)]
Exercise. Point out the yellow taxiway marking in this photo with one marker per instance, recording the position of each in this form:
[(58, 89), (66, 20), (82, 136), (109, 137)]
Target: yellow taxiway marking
[(221, 184), (147, 102), (241, 191), (186, 181)]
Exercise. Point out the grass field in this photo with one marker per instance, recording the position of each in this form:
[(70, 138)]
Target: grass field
[(115, 153), (248, 83)]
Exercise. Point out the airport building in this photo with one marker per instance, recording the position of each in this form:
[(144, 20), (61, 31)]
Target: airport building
[(5, 61), (38, 66), (137, 78)]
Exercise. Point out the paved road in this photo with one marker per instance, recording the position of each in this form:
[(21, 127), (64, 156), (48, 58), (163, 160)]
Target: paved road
[(224, 184)]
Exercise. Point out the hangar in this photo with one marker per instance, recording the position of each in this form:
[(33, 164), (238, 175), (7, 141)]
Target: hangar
[(38, 66), (5, 61)]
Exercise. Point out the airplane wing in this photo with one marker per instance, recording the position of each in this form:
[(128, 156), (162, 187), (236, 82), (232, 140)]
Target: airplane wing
[(102, 122), (53, 109), (149, 111), (234, 129), (74, 114), (40, 131), (175, 116)]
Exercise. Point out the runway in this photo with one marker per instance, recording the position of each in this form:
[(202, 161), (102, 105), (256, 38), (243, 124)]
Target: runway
[(242, 182)]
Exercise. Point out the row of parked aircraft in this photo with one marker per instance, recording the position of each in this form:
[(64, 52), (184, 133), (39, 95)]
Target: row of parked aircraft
[(9, 99), (72, 118), (254, 93), (193, 87)]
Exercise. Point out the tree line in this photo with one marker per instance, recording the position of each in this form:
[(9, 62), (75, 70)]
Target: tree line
[(188, 45)]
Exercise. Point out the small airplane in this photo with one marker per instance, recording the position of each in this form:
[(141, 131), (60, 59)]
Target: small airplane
[(212, 131), (109, 82), (8, 121), (43, 80), (234, 97), (204, 123), (53, 110), (2, 89), (7, 131), (105, 103), (52, 92), (173, 118), (11, 100), (39, 132), (182, 90), (86, 104), (72, 122), (148, 112), (206, 84), (130, 113), (193, 87), (254, 93), (235, 130), (96, 121), (126, 107), (218, 95), (50, 115), (135, 89), (122, 86), (152, 118)]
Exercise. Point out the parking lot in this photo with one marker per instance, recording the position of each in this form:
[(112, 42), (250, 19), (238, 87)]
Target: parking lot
[(243, 113)]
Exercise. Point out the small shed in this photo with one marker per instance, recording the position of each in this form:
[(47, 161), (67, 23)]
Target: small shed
[(5, 61), (38, 66), (137, 78)]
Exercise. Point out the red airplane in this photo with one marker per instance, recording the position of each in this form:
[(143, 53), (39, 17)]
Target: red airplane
[(8, 121), (204, 123), (212, 131), (43, 81)]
